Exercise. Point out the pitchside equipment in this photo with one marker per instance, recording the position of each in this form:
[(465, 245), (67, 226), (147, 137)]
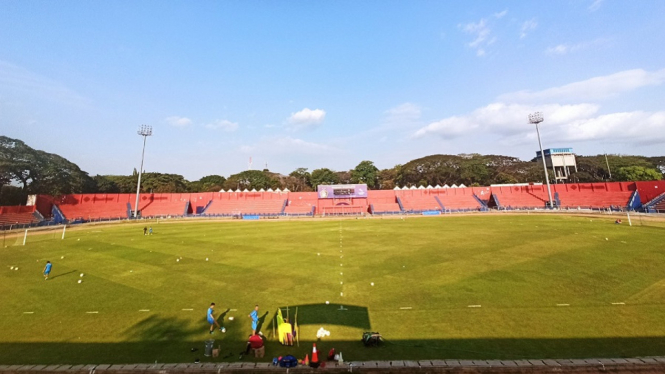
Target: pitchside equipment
[(371, 339)]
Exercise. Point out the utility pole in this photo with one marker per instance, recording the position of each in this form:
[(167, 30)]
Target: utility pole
[(536, 118), (145, 132)]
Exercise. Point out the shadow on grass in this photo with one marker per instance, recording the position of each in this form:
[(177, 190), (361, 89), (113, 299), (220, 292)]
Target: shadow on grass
[(63, 274), (167, 340), (325, 314), (179, 350)]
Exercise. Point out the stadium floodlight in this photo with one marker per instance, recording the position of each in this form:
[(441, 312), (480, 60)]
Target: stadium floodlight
[(145, 132), (536, 118)]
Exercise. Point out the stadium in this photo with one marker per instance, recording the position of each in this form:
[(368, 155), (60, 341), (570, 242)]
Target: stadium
[(505, 214), (457, 274)]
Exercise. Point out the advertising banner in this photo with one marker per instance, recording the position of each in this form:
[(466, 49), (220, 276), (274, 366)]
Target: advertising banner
[(342, 191)]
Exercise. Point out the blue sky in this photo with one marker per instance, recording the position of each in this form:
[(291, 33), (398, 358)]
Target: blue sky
[(328, 84)]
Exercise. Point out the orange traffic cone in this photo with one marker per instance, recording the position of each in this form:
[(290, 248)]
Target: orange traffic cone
[(315, 355), (307, 360)]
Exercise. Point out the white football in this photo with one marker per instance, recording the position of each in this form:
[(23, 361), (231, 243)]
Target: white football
[(81, 275), (80, 281)]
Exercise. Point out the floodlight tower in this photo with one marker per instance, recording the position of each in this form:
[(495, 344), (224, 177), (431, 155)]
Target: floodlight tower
[(145, 132), (536, 118)]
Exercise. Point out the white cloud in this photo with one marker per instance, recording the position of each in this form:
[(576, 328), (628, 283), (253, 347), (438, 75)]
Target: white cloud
[(636, 127), (403, 113), (481, 32), (565, 48), (595, 5), (527, 26), (223, 124), (504, 119), (591, 89), (501, 14), (306, 118), (289, 145), (178, 121)]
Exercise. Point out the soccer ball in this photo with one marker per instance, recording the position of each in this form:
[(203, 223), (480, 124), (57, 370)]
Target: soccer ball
[(327, 302), (80, 281), (372, 283), (223, 329), (81, 275)]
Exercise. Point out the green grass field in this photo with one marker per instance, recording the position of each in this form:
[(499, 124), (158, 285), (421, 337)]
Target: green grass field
[(547, 286)]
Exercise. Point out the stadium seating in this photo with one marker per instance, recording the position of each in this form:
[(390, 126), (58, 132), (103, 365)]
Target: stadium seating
[(659, 207), (518, 197), (343, 206), (22, 215), (95, 206), (419, 201), (246, 203), (458, 199), (569, 196), (591, 195), (301, 203), (167, 204), (383, 202)]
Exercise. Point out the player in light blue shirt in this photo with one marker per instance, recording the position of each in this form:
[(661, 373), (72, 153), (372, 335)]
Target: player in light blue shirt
[(47, 269), (212, 320), (254, 315)]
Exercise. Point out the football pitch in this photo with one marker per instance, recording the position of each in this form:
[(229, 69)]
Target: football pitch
[(465, 287)]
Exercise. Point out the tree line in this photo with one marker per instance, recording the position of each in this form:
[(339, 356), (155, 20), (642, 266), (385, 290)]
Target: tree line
[(25, 171)]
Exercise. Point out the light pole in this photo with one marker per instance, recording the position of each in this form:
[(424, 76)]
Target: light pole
[(145, 132), (536, 118)]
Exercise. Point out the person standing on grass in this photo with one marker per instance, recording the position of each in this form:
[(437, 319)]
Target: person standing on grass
[(212, 320), (145, 230), (254, 315), (47, 269), (150, 231)]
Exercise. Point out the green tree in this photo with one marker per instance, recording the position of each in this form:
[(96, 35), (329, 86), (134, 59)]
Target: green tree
[(323, 176), (12, 195), (251, 179), (366, 172), (163, 183), (301, 180), (210, 183), (638, 173), (39, 172), (105, 184)]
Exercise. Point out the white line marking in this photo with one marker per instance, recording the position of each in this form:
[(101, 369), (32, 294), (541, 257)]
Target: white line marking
[(618, 303), (28, 312), (405, 307), (473, 306), (95, 312), (144, 310), (233, 310), (562, 304), (188, 309)]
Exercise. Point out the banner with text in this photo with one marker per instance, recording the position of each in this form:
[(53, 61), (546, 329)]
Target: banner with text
[(342, 191)]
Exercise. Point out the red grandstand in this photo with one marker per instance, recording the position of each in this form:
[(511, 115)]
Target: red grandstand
[(649, 196)]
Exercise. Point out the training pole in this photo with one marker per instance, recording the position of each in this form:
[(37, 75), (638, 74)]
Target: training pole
[(25, 236), (64, 228), (628, 214)]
